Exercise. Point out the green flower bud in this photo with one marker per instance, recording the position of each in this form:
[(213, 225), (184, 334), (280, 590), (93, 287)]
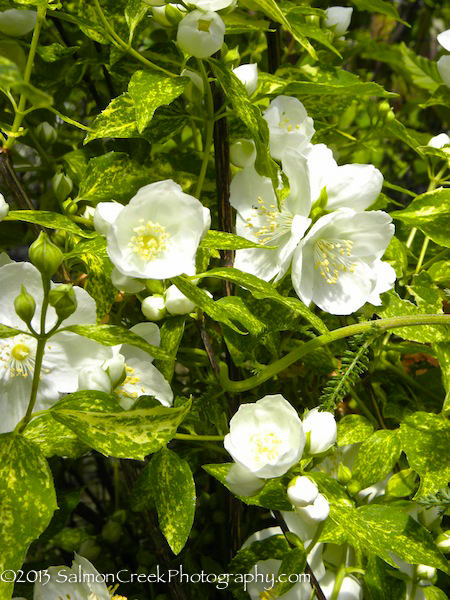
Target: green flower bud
[(70, 206), (63, 300), (353, 487), (46, 134), (344, 474), (45, 256), (62, 186), (173, 14), (112, 532), (25, 305)]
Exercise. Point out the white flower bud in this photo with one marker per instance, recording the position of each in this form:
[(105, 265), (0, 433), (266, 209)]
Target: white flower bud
[(322, 427), (438, 141), (194, 90), (177, 303), (4, 207), (248, 74), (201, 33), (316, 512), (168, 15), (115, 369), (153, 308), (46, 133), (426, 572), (302, 491), (443, 542), (105, 215), (243, 153), (242, 481), (16, 23), (338, 17), (94, 378), (126, 284)]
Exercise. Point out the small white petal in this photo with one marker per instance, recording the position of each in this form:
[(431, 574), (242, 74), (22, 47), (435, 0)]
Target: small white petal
[(130, 285), (316, 512), (338, 17), (242, 481), (4, 206), (443, 65), (248, 74), (438, 141), (105, 214), (444, 39)]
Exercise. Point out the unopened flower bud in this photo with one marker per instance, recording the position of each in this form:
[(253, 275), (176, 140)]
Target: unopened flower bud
[(94, 378), (443, 542), (177, 303), (16, 23), (90, 550), (112, 532), (62, 186), (426, 572), (302, 491), (344, 474), (194, 90), (353, 487), (438, 141), (130, 285), (322, 426), (70, 206), (174, 14), (153, 308), (248, 75), (46, 133), (45, 256), (201, 33), (338, 17), (25, 305), (115, 369), (316, 512), (63, 300), (243, 153), (4, 207)]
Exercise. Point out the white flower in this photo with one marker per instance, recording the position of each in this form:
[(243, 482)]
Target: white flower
[(289, 125), (201, 34), (260, 220), (142, 377), (157, 234), (439, 141), (243, 153), (153, 308), (65, 353), (443, 64), (316, 512), (242, 481), (177, 303), (4, 207), (444, 39), (338, 17), (94, 378), (337, 265), (322, 429), (105, 214), (80, 582), (348, 186), (302, 491), (207, 5), (16, 23), (129, 285), (266, 437), (248, 74)]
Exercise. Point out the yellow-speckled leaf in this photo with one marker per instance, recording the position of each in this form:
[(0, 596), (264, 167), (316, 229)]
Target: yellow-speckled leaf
[(53, 438), (171, 334), (376, 457), (27, 501), (353, 429), (125, 434), (49, 219)]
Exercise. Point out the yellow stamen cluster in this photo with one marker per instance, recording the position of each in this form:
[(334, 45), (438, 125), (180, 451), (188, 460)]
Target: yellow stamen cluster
[(286, 124), (149, 240), (272, 215), (267, 444), (16, 356), (333, 256), (132, 379)]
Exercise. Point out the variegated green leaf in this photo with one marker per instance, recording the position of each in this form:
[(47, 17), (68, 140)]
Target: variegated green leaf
[(376, 457), (353, 429)]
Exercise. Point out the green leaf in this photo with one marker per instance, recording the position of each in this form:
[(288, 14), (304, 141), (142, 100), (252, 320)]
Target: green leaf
[(6, 332), (443, 355), (425, 440), (149, 90), (135, 11), (353, 429), (429, 212), (434, 593), (28, 501), (358, 88), (203, 301), (261, 289), (293, 563), (383, 530), (297, 21), (335, 493), (379, 6), (220, 240), (398, 130), (376, 457), (54, 52), (250, 115), (112, 176), (440, 97), (116, 120), (168, 480), (423, 72), (380, 583), (126, 434), (9, 73), (273, 494), (53, 438), (397, 256), (440, 272), (171, 335), (49, 219), (401, 484), (112, 335)]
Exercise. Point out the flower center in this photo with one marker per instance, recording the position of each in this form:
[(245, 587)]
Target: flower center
[(204, 25), (131, 379), (17, 355), (287, 125), (149, 240), (332, 256), (268, 594), (266, 444), (275, 223)]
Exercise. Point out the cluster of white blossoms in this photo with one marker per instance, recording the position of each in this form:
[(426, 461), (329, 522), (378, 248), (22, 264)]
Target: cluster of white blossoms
[(155, 236), (267, 438), (321, 230), (173, 302), (443, 64)]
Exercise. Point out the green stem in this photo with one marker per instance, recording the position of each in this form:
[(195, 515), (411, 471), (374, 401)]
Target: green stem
[(338, 582), (422, 254), (41, 11), (127, 47), (327, 338), (198, 438), (209, 129)]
